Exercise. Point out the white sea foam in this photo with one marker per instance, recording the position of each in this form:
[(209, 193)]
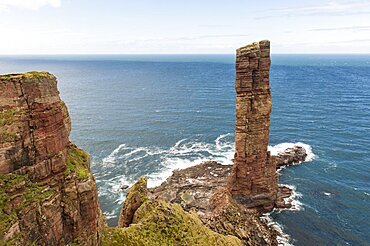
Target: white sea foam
[(126, 163), (186, 153), (110, 159), (280, 148), (330, 166), (131, 162), (111, 215), (282, 238), (293, 199)]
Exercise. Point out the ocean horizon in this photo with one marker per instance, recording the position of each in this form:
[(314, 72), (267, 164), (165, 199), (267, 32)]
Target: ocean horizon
[(151, 114)]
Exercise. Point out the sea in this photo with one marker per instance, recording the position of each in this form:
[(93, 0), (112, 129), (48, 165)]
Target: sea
[(151, 114)]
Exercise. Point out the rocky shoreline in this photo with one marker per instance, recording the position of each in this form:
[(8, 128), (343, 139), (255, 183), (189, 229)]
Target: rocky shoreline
[(48, 194), (194, 189), (230, 199)]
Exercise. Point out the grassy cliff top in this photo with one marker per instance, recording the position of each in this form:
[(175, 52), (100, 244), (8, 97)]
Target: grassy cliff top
[(161, 223), (28, 75), (157, 222)]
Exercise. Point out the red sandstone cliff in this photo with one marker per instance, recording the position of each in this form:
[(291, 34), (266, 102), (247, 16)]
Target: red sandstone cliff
[(47, 194)]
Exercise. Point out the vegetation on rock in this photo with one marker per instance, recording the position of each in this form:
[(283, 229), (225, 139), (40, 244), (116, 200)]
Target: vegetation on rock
[(77, 162), (17, 193), (161, 223), (25, 75), (7, 137), (157, 222), (6, 117)]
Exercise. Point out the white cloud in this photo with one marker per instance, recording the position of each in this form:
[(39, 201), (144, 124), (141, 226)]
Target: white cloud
[(345, 28), (28, 4), (328, 8)]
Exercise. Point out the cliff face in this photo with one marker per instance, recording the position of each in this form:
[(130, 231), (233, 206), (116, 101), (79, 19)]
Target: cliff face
[(253, 180), (48, 194)]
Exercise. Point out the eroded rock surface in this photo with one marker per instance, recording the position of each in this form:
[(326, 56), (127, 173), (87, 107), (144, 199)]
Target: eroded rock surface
[(48, 195), (154, 221), (253, 180), (135, 197), (229, 199), (290, 156), (202, 189), (193, 187)]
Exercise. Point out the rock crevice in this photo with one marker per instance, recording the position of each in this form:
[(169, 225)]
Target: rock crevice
[(35, 155), (253, 180)]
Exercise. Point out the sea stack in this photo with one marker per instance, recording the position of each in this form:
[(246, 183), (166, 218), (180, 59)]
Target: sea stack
[(253, 180)]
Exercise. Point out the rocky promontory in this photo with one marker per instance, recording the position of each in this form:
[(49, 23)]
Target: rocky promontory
[(48, 195), (230, 199)]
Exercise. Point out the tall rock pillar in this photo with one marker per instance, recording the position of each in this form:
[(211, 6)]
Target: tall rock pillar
[(253, 180)]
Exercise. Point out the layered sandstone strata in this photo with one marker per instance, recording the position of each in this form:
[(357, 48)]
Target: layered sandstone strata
[(227, 199), (253, 180), (48, 195)]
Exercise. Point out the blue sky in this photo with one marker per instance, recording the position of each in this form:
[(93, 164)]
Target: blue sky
[(179, 26)]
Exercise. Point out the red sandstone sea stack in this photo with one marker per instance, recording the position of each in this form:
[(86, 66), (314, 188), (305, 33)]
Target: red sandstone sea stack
[(253, 180), (48, 195)]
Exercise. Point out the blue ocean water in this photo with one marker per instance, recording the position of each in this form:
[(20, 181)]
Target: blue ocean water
[(149, 114)]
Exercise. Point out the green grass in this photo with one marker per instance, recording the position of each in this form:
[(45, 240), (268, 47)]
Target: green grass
[(7, 137), (28, 193), (77, 162), (31, 74), (139, 189), (158, 223), (7, 117)]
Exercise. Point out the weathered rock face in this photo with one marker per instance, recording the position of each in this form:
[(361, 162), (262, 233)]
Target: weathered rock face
[(48, 194), (135, 197), (146, 220), (253, 180), (290, 156), (201, 188)]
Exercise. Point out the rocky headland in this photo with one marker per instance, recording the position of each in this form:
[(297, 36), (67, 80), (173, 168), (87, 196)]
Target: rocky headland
[(48, 195)]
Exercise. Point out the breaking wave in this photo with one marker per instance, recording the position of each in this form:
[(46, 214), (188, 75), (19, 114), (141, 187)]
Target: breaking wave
[(293, 199), (279, 148), (125, 164), (283, 238)]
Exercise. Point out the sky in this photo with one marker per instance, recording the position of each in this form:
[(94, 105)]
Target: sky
[(182, 26)]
